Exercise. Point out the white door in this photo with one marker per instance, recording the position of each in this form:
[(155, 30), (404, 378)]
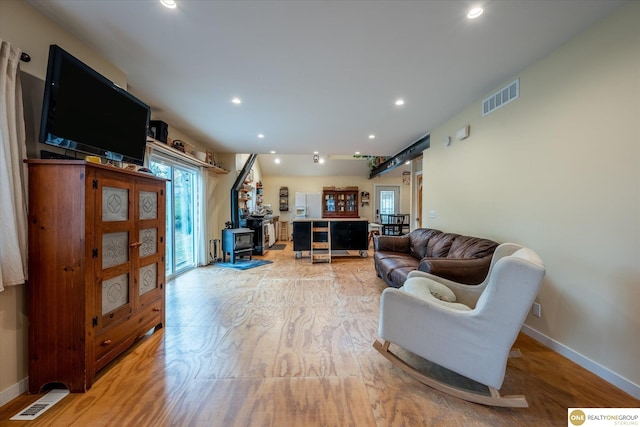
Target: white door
[(387, 200)]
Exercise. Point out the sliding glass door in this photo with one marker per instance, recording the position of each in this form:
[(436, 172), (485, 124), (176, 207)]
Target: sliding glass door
[(183, 222)]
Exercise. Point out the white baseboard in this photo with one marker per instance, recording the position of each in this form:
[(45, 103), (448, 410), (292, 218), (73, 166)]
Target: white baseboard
[(591, 366), (14, 391)]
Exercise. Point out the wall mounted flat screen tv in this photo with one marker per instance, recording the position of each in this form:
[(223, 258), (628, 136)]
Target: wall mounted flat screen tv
[(84, 111)]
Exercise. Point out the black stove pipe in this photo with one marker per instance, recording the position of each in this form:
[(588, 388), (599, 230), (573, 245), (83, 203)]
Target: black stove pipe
[(237, 185)]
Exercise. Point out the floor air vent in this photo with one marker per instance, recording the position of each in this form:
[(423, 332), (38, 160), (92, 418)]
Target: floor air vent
[(36, 409), (501, 97)]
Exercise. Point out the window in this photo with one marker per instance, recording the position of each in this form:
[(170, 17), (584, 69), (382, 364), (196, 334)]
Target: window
[(183, 220)]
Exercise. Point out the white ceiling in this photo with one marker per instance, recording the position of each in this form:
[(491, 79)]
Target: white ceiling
[(318, 75)]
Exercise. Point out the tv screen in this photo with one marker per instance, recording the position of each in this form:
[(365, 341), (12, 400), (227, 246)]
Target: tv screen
[(84, 111)]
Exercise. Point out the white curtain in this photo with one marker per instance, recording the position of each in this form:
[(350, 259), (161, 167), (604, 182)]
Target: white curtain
[(13, 199), (202, 240)]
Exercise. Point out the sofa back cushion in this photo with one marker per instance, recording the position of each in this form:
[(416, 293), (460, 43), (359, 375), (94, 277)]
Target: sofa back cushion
[(419, 240), (439, 245), (468, 247), (400, 244)]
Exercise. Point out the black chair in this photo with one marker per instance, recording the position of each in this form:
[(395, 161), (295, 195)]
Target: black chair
[(394, 224)]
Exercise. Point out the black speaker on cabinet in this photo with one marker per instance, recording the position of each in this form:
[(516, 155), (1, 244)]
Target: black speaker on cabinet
[(158, 130)]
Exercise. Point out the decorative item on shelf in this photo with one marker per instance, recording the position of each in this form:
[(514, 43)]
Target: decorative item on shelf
[(93, 159), (406, 177), (364, 198), (178, 145), (200, 155), (210, 158)]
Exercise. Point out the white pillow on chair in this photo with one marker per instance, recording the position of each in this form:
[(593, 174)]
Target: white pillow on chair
[(428, 289)]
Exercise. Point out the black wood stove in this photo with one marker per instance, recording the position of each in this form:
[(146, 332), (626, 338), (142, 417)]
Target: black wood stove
[(236, 242)]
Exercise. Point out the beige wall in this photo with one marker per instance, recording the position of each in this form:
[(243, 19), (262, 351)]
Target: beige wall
[(219, 197), (29, 30), (311, 184), (559, 170)]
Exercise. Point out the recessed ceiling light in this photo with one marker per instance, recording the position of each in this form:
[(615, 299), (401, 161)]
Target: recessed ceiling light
[(475, 12), (171, 4), (315, 152), (372, 136), (399, 102), (277, 160), (272, 152), (236, 100), (357, 153), (408, 162), (260, 135)]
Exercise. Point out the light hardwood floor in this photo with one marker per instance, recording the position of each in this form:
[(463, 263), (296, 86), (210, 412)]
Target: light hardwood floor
[(290, 344)]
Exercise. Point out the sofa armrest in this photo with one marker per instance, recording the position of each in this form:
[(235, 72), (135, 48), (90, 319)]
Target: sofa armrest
[(468, 271), (392, 243)]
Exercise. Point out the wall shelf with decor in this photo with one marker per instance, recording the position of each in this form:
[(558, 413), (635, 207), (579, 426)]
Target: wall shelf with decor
[(284, 199), (166, 149)]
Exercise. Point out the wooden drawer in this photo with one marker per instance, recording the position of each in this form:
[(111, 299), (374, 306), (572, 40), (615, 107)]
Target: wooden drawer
[(118, 337)]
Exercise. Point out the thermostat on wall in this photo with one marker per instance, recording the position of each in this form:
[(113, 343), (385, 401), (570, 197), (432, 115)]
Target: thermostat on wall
[(463, 133)]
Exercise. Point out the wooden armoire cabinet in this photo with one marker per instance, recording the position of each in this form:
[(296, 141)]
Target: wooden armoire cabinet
[(96, 267), (340, 202)]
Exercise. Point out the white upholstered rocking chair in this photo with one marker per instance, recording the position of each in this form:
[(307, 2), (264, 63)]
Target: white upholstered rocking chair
[(471, 335)]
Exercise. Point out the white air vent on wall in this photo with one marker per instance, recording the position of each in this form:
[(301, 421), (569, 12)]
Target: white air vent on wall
[(501, 97)]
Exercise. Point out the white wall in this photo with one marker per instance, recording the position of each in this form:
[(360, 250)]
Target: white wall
[(559, 170)]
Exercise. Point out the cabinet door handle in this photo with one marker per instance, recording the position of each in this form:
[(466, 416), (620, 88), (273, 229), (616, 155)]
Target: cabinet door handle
[(106, 342), (136, 244)]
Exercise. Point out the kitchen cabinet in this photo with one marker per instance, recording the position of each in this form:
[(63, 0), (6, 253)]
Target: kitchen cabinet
[(340, 202)]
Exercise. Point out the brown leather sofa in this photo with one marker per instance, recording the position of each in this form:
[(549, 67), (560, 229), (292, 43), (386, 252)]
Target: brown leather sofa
[(463, 259)]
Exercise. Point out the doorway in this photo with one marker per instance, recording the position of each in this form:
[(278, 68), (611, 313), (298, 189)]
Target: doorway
[(387, 200), (419, 200), (183, 222)]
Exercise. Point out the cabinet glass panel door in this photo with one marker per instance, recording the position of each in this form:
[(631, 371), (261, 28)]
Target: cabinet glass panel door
[(148, 242), (115, 249), (148, 278), (148, 205), (115, 204), (115, 293), (115, 238)]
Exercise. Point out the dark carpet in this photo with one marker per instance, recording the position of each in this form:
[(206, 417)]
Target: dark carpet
[(278, 246)]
